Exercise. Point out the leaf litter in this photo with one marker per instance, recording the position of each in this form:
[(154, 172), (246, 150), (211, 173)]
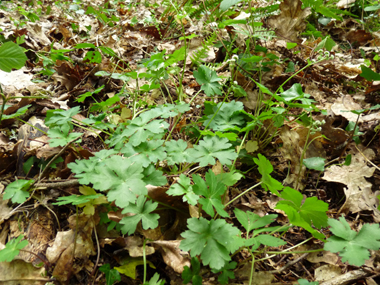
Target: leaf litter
[(167, 213)]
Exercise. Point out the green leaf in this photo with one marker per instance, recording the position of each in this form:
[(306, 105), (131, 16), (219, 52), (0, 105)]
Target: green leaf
[(153, 176), (213, 240), (12, 249), (93, 57), (104, 106), (11, 56), (155, 280), (184, 187), (369, 74), (89, 206), (208, 79), (107, 51), (139, 130), (227, 272), (265, 168), (227, 117), (230, 178), (312, 210), (146, 153), (265, 90), (60, 136), (18, 191), (175, 57), (269, 240), (305, 282), (293, 93), (226, 4), (353, 247), (193, 273), (177, 152), (372, 8), (211, 190), (76, 199), (291, 45), (316, 163), (112, 275), (60, 117), (84, 168), (18, 113), (129, 266), (142, 211), (122, 178), (85, 45), (326, 43), (250, 220), (213, 147)]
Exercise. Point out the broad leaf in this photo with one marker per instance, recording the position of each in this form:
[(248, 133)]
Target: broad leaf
[(12, 56), (145, 153), (265, 168), (227, 117), (177, 152), (369, 74), (193, 273), (226, 4), (18, 191), (353, 247), (250, 220), (312, 210), (213, 240), (213, 147), (60, 117), (12, 249), (142, 210), (155, 280), (211, 190), (121, 177), (61, 136), (18, 113), (112, 275), (227, 272), (208, 79), (184, 187)]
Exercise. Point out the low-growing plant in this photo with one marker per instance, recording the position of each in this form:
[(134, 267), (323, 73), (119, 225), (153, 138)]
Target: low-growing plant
[(142, 150)]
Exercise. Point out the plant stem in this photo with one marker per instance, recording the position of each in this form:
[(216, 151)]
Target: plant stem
[(241, 194)]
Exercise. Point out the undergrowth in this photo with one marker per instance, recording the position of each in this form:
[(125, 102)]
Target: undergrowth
[(148, 148)]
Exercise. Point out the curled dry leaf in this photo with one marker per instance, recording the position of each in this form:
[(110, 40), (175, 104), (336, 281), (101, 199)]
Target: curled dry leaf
[(172, 254)]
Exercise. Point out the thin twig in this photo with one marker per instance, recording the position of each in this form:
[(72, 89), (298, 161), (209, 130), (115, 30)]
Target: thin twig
[(289, 264)]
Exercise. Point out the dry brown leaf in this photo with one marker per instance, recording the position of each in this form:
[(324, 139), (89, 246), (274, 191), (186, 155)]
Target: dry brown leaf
[(19, 272), (343, 107), (5, 211), (172, 254), (291, 21), (324, 256), (134, 245), (327, 272), (62, 250), (359, 194)]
